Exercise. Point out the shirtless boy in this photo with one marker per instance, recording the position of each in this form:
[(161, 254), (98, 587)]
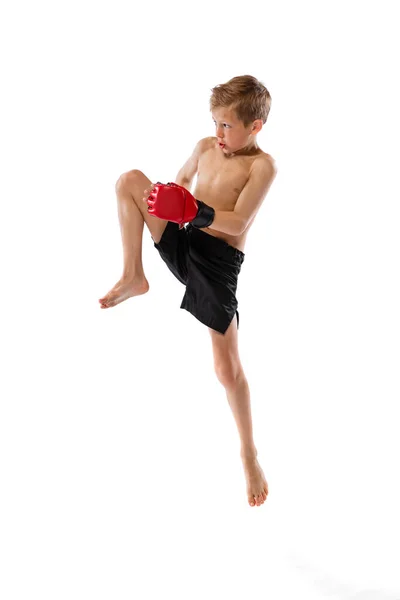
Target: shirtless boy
[(233, 177)]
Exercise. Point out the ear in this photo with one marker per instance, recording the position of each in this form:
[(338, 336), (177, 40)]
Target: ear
[(257, 126)]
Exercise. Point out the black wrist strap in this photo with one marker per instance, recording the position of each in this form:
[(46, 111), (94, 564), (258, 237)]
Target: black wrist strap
[(205, 215)]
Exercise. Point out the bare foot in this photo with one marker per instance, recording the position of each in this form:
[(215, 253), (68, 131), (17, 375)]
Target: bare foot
[(125, 288), (257, 486)]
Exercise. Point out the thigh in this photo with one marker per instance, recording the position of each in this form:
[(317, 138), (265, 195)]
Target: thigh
[(174, 250), (213, 271), (135, 182)]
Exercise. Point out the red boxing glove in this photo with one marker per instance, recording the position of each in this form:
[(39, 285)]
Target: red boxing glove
[(172, 202)]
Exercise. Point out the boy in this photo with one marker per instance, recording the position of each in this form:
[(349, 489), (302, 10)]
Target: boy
[(233, 177)]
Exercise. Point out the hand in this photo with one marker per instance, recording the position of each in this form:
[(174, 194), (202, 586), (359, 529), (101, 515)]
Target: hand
[(173, 202), (146, 196), (147, 192)]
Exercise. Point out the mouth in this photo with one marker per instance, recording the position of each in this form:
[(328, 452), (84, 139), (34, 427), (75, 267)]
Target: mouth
[(221, 145)]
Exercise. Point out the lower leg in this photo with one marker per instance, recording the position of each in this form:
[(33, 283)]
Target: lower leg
[(230, 373), (133, 281), (131, 225), (238, 395)]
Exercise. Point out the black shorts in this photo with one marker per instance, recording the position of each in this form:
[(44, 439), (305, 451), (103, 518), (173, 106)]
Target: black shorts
[(209, 268)]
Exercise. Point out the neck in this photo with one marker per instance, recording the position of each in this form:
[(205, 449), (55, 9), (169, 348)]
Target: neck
[(249, 150)]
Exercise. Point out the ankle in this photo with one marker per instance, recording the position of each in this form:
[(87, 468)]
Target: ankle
[(132, 275), (248, 453)]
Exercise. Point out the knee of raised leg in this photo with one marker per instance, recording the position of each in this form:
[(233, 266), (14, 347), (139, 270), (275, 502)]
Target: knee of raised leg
[(126, 179), (227, 372)]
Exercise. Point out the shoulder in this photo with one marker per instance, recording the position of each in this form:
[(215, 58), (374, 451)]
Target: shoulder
[(264, 166), (265, 161), (208, 143), (203, 145)]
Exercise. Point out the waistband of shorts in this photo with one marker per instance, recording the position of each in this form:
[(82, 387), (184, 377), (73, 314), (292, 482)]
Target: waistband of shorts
[(217, 241)]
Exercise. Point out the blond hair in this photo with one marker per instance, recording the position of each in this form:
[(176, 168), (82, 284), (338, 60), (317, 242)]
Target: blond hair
[(245, 95)]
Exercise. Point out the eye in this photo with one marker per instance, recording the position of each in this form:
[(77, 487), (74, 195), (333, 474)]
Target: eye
[(224, 123)]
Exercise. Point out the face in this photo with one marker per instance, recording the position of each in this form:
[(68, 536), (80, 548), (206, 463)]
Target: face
[(231, 132)]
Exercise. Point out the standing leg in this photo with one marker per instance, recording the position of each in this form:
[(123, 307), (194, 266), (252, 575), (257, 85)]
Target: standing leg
[(132, 214), (230, 373)]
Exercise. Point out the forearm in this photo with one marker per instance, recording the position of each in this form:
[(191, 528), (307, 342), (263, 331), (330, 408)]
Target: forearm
[(227, 221), (183, 182)]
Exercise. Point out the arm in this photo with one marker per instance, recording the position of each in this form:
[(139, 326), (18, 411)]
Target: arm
[(189, 169), (234, 222)]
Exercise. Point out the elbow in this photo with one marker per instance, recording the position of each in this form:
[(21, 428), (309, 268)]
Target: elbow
[(241, 226), (183, 181)]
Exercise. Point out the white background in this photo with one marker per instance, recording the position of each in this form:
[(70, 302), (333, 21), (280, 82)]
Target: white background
[(120, 471)]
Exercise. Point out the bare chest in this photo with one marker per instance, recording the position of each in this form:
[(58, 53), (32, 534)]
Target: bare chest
[(221, 179)]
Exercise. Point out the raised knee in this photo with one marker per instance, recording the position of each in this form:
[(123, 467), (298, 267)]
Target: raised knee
[(227, 372), (127, 178)]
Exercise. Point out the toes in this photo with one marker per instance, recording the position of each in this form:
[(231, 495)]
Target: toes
[(257, 500), (260, 498)]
